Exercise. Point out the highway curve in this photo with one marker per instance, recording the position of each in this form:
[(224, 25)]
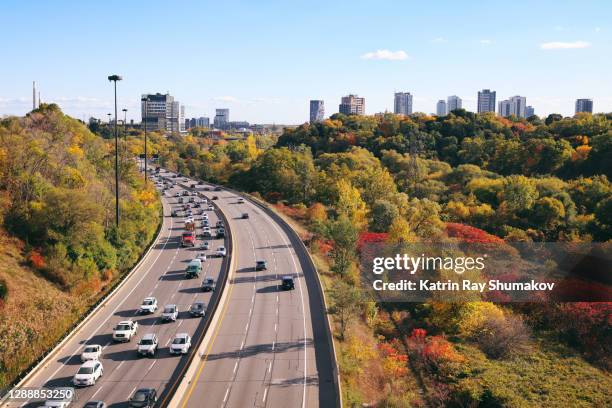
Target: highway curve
[(269, 348)]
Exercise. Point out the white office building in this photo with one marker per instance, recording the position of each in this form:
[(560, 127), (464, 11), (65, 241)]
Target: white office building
[(453, 102), (441, 108)]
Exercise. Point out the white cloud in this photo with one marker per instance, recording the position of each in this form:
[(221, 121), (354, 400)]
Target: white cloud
[(597, 29), (385, 55), (559, 45), (486, 42)]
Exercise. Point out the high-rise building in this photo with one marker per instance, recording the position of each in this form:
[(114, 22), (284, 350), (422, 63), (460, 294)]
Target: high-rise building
[(584, 105), (529, 111), (352, 105), (193, 123), (162, 113), (402, 103), (441, 108), (453, 102), (203, 122), (221, 118), (486, 101), (317, 111), (187, 123), (515, 105), (504, 108)]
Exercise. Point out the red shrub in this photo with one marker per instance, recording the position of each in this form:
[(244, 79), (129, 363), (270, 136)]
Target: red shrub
[(471, 234), (371, 238), (36, 259)]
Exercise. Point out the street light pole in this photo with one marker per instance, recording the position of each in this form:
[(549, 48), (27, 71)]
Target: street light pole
[(125, 131), (116, 78), (144, 123)]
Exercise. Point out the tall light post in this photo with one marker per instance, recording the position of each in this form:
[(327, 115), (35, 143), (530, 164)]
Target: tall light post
[(144, 123), (115, 78), (125, 146)]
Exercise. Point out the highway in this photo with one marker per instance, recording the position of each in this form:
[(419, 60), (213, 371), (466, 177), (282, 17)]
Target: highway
[(269, 347), (161, 274)]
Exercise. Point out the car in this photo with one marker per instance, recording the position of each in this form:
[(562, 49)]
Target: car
[(175, 213), (205, 245), (211, 208), (245, 216), (219, 224), (261, 265), (148, 306), (197, 205), (221, 251), (180, 200), (197, 309), (170, 313), (287, 283), (192, 185), (180, 344), (143, 398), (147, 346), (94, 404), (220, 232), (217, 188), (177, 194), (241, 200), (208, 285), (91, 352), (206, 223), (194, 268), (206, 188), (205, 217), (207, 232), (88, 373), (185, 193), (214, 198), (125, 330)]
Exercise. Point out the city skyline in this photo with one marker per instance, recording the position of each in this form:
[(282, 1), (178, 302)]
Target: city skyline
[(390, 52)]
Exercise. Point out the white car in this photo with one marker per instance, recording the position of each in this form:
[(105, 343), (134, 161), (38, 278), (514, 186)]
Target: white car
[(170, 313), (211, 208), (149, 305), (221, 251), (125, 330), (205, 217), (177, 194), (205, 245), (88, 374), (91, 352), (63, 399), (180, 344), (241, 200), (202, 256), (147, 346)]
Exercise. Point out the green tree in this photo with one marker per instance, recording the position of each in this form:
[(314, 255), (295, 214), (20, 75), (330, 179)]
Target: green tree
[(345, 302)]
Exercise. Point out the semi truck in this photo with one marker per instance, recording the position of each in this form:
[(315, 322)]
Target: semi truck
[(188, 239)]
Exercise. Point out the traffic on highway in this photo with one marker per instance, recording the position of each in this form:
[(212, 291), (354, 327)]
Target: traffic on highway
[(265, 347)]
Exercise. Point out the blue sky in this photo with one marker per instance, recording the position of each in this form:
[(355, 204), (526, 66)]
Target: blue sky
[(265, 59)]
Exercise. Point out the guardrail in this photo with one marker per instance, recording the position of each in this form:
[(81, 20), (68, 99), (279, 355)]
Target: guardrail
[(166, 397), (70, 333)]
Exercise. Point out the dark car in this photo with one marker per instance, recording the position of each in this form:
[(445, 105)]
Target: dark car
[(215, 197), (220, 233), (208, 285), (217, 188), (197, 309), (94, 404), (287, 283), (245, 216), (192, 185), (261, 265), (144, 398)]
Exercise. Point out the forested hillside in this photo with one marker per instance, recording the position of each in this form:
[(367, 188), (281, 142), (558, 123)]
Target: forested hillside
[(480, 178), (60, 248)]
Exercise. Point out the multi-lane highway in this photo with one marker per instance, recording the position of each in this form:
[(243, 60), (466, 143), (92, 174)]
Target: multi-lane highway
[(269, 347), (161, 275)]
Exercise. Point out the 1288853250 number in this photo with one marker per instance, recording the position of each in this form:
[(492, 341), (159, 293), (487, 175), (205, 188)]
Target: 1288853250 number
[(33, 393)]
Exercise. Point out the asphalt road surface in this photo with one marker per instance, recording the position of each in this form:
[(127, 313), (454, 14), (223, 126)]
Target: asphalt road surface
[(269, 347), (160, 275)]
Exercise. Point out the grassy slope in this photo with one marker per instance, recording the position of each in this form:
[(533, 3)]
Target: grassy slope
[(34, 315)]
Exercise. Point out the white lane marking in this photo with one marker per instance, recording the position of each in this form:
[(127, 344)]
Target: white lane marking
[(275, 327), (270, 367), (95, 393), (117, 307), (246, 328), (179, 323), (226, 394), (132, 392), (120, 364), (273, 344), (152, 364), (235, 367), (242, 345), (265, 394)]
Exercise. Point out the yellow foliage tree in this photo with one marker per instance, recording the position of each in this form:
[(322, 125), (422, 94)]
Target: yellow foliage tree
[(350, 204)]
